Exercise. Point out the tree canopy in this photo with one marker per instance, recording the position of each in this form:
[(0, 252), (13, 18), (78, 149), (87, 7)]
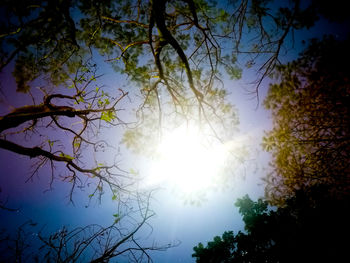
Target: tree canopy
[(310, 107), (310, 167), (174, 54), (311, 227)]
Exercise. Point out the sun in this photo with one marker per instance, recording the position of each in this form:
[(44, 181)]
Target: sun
[(187, 160)]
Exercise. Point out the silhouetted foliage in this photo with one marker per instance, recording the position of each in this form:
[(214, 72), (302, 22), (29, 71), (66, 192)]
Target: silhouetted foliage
[(311, 227), (310, 140), (310, 179)]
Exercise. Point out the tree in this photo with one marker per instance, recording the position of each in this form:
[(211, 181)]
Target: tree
[(91, 243), (310, 177), (40, 38), (310, 138), (311, 227), (173, 53), (50, 46)]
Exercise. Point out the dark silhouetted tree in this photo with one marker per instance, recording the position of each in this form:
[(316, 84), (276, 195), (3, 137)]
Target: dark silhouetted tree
[(310, 140), (310, 179), (311, 227)]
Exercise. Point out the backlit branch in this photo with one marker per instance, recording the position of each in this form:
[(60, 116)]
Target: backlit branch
[(94, 242)]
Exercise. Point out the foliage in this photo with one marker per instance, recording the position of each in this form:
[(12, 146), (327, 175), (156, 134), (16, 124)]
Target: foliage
[(310, 179), (74, 112), (310, 107), (40, 36), (174, 54), (311, 227)]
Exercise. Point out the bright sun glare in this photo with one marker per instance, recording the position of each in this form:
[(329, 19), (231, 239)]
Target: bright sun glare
[(187, 161)]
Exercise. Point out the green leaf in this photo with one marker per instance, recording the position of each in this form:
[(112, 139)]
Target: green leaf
[(107, 116), (116, 218), (85, 69), (66, 156), (77, 144)]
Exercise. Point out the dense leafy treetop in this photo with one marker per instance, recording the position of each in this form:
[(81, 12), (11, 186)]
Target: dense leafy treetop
[(310, 106), (311, 227)]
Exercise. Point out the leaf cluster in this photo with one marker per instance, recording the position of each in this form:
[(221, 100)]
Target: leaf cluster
[(309, 104), (41, 36)]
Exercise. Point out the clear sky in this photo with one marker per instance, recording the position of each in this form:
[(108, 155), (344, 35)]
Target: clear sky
[(175, 220)]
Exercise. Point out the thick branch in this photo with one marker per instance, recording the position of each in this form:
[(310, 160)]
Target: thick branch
[(36, 152), (28, 113), (31, 152), (158, 14)]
